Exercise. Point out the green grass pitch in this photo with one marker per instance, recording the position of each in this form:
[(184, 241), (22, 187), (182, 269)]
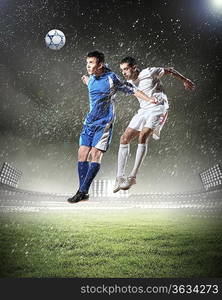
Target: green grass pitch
[(110, 244)]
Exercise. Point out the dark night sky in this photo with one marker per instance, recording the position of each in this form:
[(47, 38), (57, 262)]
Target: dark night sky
[(43, 102)]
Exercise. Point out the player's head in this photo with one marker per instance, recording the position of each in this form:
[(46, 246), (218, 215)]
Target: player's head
[(128, 67), (95, 62)]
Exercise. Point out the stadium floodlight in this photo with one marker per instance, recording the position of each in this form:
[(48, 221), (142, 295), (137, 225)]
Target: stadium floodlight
[(10, 175), (212, 178), (104, 188)]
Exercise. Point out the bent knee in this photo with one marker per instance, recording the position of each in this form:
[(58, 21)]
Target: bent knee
[(144, 136), (124, 139)]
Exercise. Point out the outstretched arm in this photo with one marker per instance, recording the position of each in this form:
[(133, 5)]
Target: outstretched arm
[(188, 84)]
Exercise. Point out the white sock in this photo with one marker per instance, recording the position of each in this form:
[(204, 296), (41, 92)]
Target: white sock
[(140, 154), (124, 150)]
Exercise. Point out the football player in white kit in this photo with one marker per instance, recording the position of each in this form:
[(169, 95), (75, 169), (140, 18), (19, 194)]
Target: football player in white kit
[(149, 119)]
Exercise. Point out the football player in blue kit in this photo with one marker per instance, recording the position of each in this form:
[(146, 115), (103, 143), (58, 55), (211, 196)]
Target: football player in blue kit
[(98, 125)]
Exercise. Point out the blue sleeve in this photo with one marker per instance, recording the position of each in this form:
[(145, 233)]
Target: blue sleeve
[(123, 86)]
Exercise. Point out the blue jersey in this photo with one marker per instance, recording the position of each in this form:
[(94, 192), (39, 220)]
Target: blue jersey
[(102, 91)]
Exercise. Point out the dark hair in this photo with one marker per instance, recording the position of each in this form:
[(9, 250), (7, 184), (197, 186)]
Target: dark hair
[(129, 60), (98, 55)]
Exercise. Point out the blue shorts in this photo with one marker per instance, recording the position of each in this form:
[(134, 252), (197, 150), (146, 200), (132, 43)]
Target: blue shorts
[(96, 136)]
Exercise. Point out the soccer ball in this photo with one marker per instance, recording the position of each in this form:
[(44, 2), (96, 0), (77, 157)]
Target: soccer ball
[(55, 39)]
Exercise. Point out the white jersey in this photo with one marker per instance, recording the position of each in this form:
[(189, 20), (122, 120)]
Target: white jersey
[(149, 82)]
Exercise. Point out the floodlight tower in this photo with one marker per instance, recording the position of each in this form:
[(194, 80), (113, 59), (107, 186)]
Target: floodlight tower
[(10, 175), (212, 178)]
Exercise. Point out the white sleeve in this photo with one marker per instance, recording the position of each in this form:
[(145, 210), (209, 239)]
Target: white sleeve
[(156, 72)]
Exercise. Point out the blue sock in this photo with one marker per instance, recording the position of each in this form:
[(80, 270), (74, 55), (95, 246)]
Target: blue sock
[(83, 167), (91, 174)]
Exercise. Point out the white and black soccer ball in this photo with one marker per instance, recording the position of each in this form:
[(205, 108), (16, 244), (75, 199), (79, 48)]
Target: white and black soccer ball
[(55, 39)]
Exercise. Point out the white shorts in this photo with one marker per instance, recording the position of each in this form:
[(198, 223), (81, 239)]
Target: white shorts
[(149, 118)]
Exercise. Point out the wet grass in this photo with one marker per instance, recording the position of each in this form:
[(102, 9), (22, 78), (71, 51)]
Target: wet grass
[(110, 244)]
